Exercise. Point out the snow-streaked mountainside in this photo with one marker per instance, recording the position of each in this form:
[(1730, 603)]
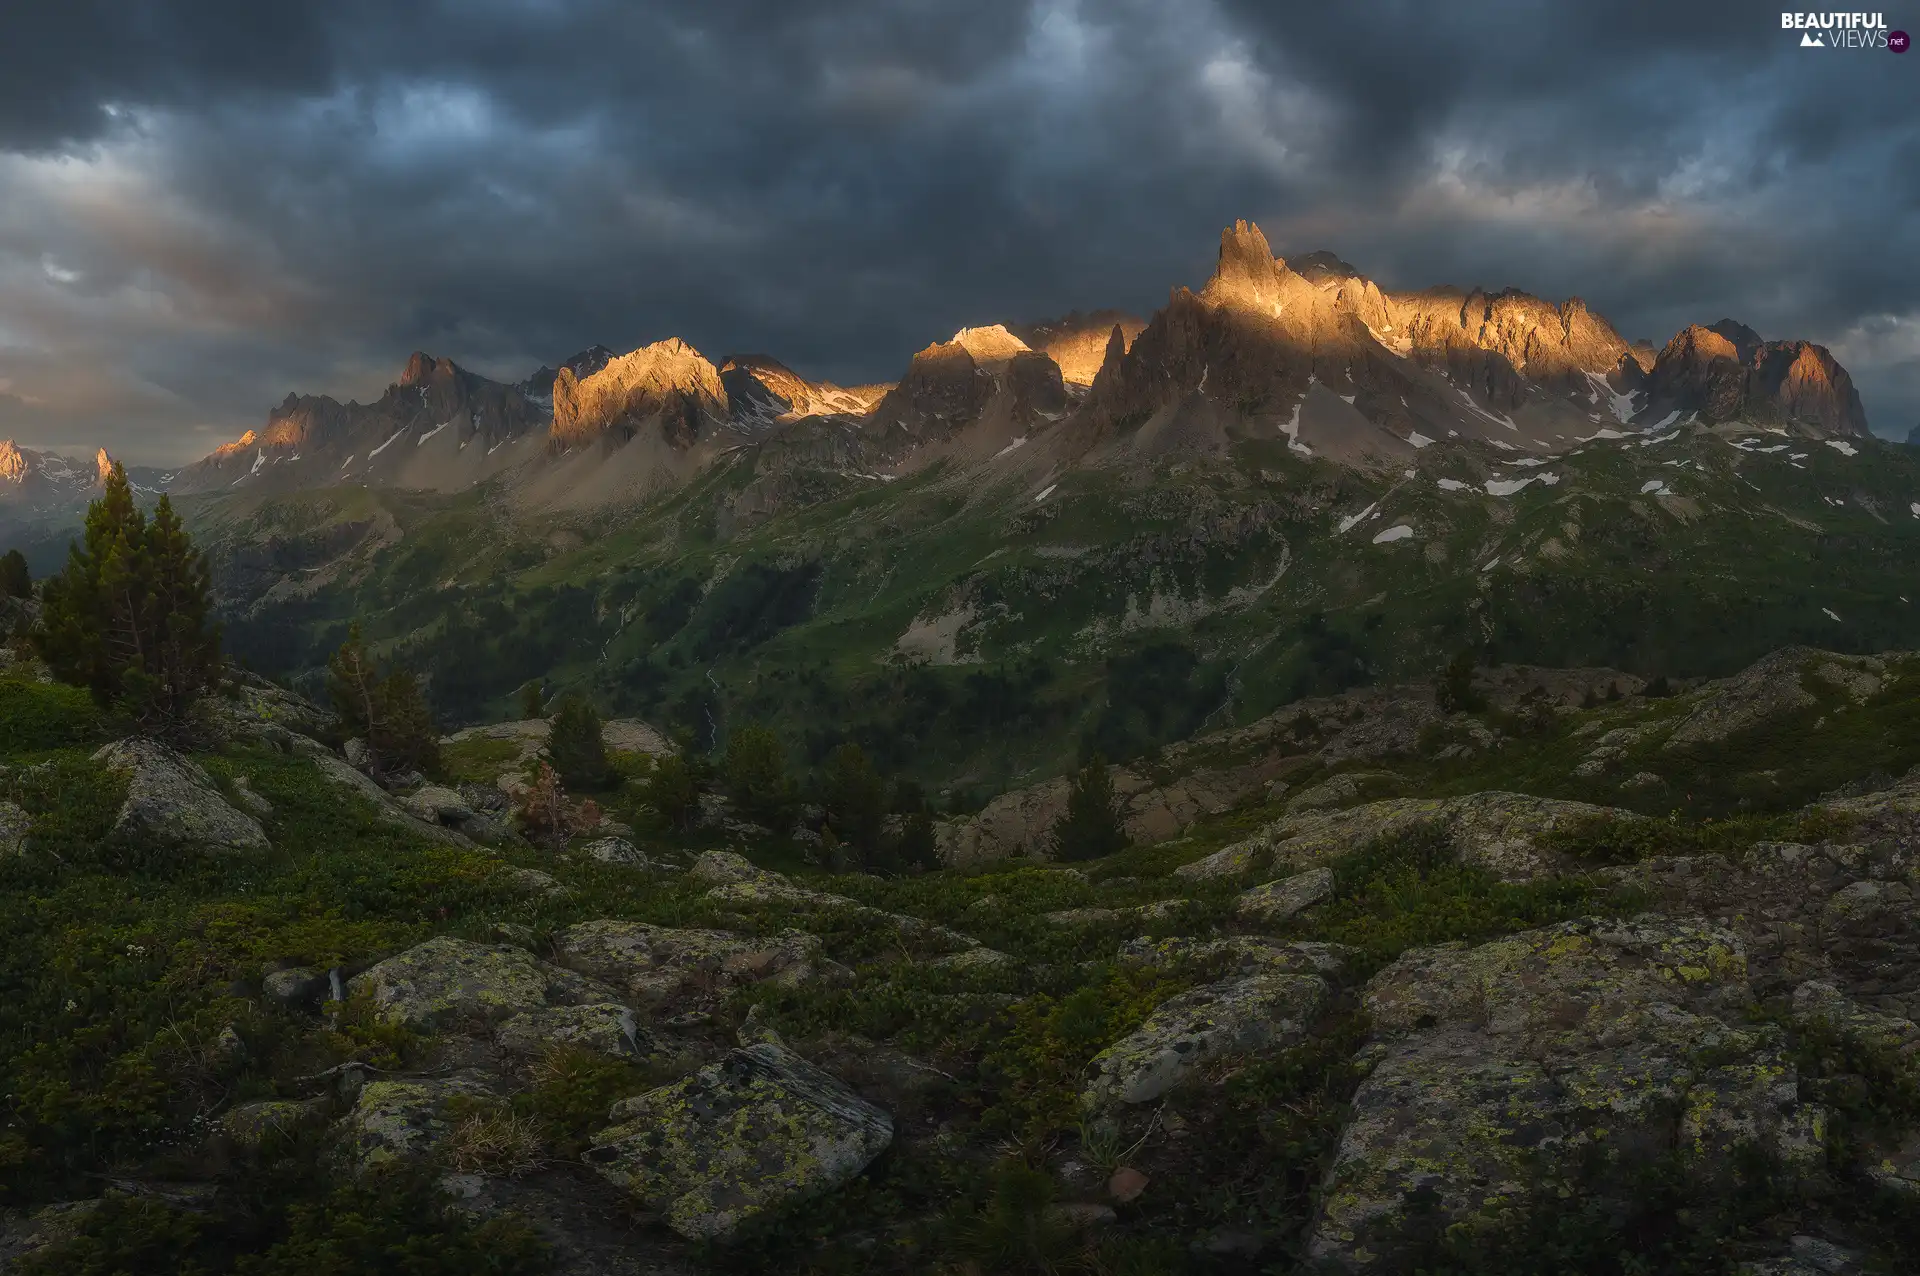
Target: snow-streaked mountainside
[(1344, 369)]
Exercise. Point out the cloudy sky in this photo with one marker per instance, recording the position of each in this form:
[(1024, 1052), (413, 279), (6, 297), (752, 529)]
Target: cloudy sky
[(205, 204)]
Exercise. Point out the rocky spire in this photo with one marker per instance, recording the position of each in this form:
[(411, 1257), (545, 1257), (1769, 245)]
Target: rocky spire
[(13, 463), (1247, 275), (102, 467)]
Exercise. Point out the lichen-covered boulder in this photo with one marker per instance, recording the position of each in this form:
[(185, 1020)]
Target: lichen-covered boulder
[(1241, 955), (170, 800), (615, 850), (406, 1118), (1230, 1017), (718, 868), (1277, 901), (250, 1124), (655, 964), (1622, 1037), (533, 881), (446, 981), (15, 824), (761, 1129), (605, 1027)]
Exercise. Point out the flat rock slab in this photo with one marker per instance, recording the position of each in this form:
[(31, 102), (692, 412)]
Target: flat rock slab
[(1277, 901), (172, 801), (1258, 1012), (447, 981), (759, 1130), (337, 772), (604, 1027), (1625, 1037)]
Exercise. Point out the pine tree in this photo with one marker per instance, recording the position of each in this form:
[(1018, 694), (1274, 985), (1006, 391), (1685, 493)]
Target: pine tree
[(855, 799), (673, 789), (576, 748), (533, 704), (755, 768), (388, 711), (128, 617), (1456, 693), (1091, 827), (15, 580)]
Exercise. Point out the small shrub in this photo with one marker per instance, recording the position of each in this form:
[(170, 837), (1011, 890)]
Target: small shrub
[(673, 790), (16, 581), (755, 768), (1456, 692)]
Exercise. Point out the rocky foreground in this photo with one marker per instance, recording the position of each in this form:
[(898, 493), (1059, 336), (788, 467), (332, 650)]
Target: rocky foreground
[(1466, 1031)]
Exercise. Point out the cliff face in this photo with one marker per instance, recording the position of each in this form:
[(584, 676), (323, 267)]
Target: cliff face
[(1727, 372), (668, 384)]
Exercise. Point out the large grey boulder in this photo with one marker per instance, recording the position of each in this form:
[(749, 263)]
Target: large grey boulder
[(759, 1130), (1501, 1063), (171, 801), (448, 981), (1234, 1016)]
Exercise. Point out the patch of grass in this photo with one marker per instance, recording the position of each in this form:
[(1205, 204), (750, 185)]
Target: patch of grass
[(477, 760)]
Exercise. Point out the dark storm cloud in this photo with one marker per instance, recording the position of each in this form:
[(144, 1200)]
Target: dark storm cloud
[(203, 206)]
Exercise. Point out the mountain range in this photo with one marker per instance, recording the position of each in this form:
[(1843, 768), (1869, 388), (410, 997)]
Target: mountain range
[(1099, 531), (1312, 349)]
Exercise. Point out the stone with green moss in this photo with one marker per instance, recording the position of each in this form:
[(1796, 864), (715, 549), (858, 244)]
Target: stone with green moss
[(1277, 901), (605, 1027), (407, 1118), (171, 801), (1498, 1063), (15, 824), (1234, 1016), (654, 964), (756, 1132), (448, 981), (250, 1124)]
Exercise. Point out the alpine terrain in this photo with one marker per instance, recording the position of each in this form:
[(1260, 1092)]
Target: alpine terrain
[(1316, 779)]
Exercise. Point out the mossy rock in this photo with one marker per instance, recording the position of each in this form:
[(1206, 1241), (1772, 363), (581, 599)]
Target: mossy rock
[(760, 1130)]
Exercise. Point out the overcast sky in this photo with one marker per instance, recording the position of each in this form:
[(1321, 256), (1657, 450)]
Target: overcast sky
[(205, 204)]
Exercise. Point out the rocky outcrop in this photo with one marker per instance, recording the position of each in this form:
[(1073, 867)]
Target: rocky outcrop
[(1499, 832), (1277, 901), (171, 802), (1078, 343), (668, 386), (762, 1129), (1498, 1066), (386, 807), (1775, 687), (762, 391)]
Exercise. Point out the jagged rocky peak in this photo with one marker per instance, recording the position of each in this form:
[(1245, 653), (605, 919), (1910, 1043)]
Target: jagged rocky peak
[(1322, 266), (761, 389), (582, 365), (13, 463), (1247, 275), (1727, 372), (102, 467), (943, 383), (989, 345), (1078, 342), (1558, 344), (668, 382)]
